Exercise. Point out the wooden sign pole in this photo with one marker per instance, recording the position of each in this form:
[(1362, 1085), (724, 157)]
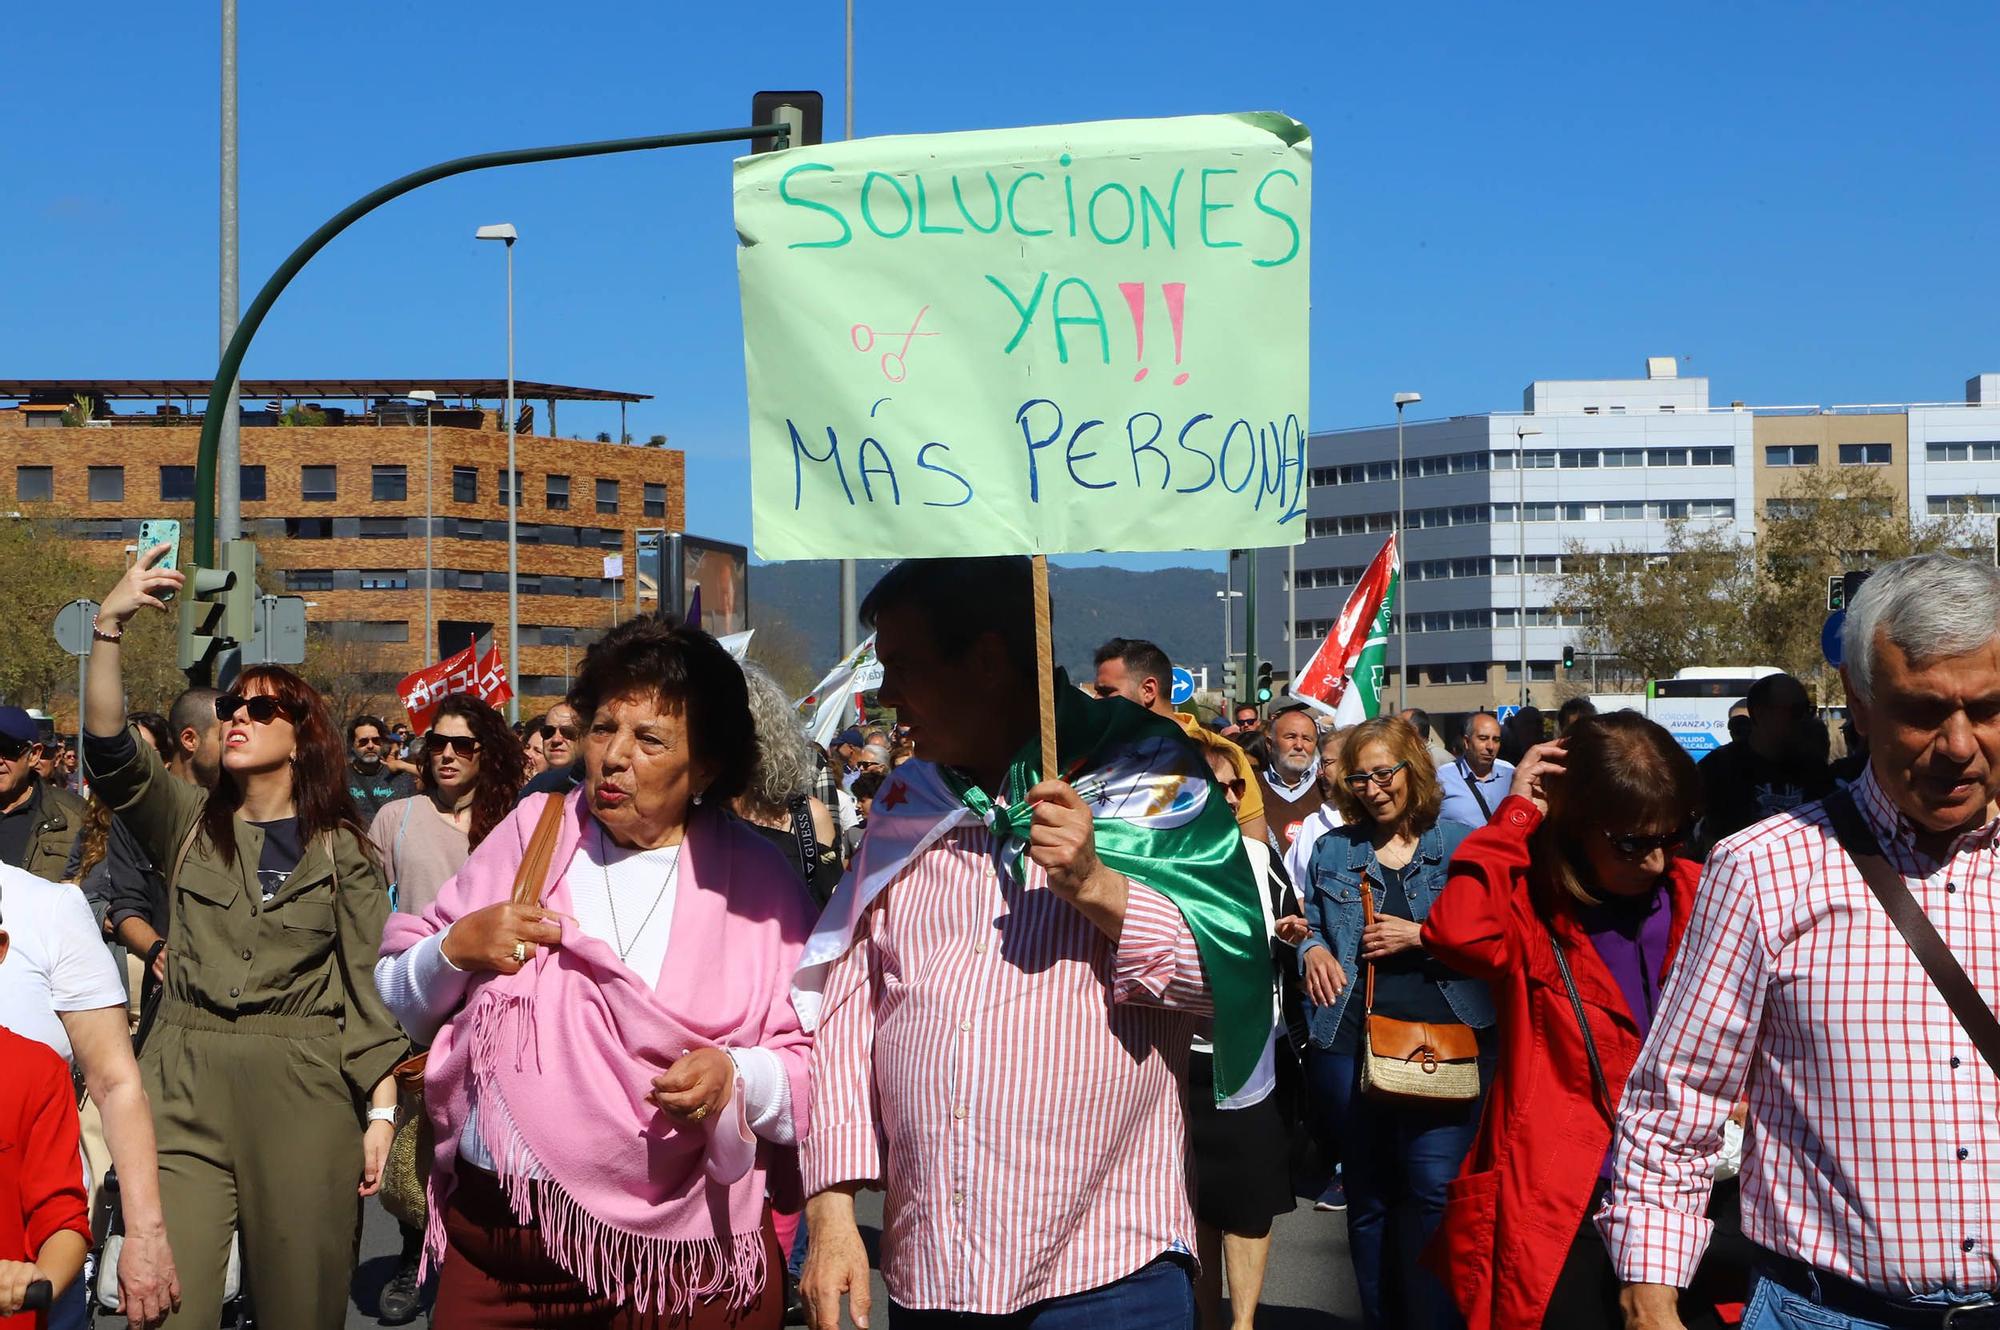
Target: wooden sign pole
[(1045, 672)]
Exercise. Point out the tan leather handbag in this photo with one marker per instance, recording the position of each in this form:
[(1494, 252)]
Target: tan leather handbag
[(1415, 1060), (406, 1175)]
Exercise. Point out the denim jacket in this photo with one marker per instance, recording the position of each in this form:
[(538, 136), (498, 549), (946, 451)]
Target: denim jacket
[(1333, 911)]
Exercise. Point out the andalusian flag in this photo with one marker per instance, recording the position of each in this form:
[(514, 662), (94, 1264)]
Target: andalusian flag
[(1160, 820), (1345, 675)]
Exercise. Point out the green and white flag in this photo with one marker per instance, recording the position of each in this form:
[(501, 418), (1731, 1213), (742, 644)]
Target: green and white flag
[(1159, 819), (1362, 699)]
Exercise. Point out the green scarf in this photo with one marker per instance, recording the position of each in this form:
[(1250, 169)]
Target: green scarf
[(1161, 820)]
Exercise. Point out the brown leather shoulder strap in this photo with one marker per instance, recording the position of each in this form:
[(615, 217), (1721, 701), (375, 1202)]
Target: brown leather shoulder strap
[(534, 868), (1953, 984), (1367, 918)]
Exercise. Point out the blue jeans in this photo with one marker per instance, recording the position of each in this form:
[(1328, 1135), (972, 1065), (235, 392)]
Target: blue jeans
[(1159, 1296), (1397, 1158), (1775, 1307), (72, 1309)]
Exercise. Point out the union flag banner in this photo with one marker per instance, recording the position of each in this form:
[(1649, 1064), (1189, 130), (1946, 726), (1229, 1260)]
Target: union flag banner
[(1345, 674), (467, 672)]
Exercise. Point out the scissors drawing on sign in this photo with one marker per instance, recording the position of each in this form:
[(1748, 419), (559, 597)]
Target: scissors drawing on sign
[(895, 364)]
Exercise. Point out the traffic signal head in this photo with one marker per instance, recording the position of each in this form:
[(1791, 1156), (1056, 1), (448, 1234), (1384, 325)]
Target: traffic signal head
[(1232, 679), (1569, 658), (802, 112), (239, 617), (1836, 593), (200, 631), (1263, 693)]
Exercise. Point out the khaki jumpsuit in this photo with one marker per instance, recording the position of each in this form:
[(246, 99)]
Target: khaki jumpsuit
[(268, 1042)]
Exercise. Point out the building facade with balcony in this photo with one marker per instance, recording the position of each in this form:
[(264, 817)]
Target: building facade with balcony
[(337, 511), (1494, 504)]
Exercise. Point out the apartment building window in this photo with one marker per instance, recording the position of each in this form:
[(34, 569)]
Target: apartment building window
[(1864, 454), (1791, 454), (317, 484), (385, 579), (250, 483), (1980, 451), (465, 484), (607, 495), (107, 484), (385, 528), (1617, 457), (656, 500), (308, 528), (391, 484), (500, 479), (375, 630), (1945, 505), (308, 579), (35, 484), (557, 493), (176, 484)]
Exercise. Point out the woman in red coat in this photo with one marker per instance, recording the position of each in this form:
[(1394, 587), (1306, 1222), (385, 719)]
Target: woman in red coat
[(1576, 871)]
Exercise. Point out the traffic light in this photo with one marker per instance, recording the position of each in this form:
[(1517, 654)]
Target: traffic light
[(1232, 680), (239, 617), (1836, 593), (1569, 658), (203, 606), (1263, 682), (802, 112)]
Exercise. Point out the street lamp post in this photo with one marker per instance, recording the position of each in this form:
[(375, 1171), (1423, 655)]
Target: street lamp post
[(1403, 560), (1225, 597), (429, 399), (1521, 435), (506, 234)]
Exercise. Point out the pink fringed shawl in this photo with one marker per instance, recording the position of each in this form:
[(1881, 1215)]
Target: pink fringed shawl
[(560, 1057)]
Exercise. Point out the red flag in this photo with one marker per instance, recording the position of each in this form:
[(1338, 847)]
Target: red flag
[(1324, 677), (483, 676)]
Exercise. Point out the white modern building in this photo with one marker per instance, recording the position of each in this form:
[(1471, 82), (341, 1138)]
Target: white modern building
[(1492, 502)]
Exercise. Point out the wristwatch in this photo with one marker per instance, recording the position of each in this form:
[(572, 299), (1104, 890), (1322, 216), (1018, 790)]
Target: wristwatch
[(387, 1115)]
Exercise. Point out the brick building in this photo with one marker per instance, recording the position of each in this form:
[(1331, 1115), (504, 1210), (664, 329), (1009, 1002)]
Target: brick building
[(337, 508)]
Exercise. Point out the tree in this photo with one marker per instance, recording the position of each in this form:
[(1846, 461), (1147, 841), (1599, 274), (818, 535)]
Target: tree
[(356, 677), (783, 650), (1660, 611), (1827, 521)]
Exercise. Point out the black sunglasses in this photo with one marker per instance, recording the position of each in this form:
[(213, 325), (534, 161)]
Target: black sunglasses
[(462, 744), (1635, 848), (262, 708), (551, 731), (13, 750)]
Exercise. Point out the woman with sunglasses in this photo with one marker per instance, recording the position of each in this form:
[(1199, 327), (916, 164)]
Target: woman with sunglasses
[(1387, 863), (1570, 904), (271, 1044)]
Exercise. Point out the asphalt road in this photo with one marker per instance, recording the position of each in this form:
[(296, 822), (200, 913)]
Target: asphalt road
[(1310, 1285)]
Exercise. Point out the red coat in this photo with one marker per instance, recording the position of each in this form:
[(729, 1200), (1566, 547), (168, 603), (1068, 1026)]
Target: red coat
[(1515, 1207), (41, 1171)]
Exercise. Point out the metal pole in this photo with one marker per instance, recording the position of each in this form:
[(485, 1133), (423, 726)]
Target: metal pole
[(850, 631), (231, 365), (82, 682), (229, 452), (430, 626), (1291, 614), (513, 514), (1521, 560), (1403, 555), (1252, 658)]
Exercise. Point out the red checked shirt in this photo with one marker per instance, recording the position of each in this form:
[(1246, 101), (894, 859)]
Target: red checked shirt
[(1015, 1079), (1873, 1146)]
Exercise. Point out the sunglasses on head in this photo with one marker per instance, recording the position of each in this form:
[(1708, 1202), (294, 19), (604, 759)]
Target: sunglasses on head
[(551, 731), (262, 708), (1380, 775), (462, 744), (1635, 848)]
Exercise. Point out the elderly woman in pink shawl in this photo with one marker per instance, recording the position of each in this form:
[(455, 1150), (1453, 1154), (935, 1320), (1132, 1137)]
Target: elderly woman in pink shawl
[(608, 1069)]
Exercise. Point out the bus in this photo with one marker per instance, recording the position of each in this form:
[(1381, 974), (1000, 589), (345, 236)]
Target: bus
[(1694, 704)]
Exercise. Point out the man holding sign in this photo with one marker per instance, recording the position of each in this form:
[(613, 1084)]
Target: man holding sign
[(1004, 1005)]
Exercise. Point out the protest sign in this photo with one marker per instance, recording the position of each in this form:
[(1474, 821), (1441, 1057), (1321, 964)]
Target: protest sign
[(467, 672), (1029, 341)]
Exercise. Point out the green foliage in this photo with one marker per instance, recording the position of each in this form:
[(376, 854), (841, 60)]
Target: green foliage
[(303, 416), (78, 413)]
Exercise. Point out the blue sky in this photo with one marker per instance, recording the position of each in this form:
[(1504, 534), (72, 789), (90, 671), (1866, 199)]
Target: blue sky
[(1799, 198)]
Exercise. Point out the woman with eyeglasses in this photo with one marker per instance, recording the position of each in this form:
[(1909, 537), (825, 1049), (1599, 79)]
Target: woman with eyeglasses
[(1372, 882), (1570, 904), (271, 1045)]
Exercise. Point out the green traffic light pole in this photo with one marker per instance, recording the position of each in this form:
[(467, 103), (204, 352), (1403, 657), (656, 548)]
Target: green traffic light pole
[(253, 317)]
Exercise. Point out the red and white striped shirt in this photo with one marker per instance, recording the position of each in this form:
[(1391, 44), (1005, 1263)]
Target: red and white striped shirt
[(1873, 1144), (1013, 1077)]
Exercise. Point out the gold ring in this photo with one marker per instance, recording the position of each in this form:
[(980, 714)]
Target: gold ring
[(698, 1114), (520, 953)]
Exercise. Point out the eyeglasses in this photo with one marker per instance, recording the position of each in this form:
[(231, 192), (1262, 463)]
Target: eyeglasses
[(1634, 848), (13, 750), (551, 731), (1381, 776), (462, 744), (370, 741), (262, 708)]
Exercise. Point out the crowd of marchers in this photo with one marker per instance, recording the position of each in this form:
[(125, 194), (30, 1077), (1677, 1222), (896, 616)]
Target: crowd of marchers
[(618, 1010)]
